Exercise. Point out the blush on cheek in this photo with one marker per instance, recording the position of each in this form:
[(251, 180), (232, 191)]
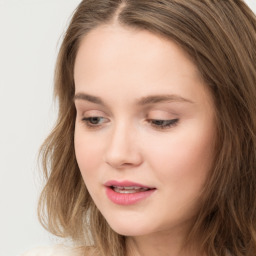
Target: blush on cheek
[(186, 157), (88, 153)]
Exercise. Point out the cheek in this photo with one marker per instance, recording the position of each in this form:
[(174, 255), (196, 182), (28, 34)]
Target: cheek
[(89, 152), (185, 156)]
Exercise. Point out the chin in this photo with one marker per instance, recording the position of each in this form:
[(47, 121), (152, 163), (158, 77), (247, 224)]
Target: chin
[(128, 228), (128, 231)]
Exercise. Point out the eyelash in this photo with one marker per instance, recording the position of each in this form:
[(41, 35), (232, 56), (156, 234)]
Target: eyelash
[(156, 123), (163, 124)]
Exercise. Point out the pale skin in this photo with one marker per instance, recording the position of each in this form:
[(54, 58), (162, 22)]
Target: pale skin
[(145, 115)]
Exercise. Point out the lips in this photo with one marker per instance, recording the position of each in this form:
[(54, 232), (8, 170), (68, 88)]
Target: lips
[(127, 192), (127, 186)]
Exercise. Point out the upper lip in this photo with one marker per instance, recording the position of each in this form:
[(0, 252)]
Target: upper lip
[(125, 183)]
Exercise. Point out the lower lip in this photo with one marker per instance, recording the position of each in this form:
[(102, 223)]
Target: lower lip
[(127, 199)]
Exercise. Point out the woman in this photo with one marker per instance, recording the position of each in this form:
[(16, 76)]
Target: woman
[(154, 150)]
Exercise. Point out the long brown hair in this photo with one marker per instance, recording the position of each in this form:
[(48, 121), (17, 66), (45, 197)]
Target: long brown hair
[(220, 37)]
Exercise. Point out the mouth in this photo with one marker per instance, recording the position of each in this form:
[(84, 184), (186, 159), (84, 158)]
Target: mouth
[(127, 187), (129, 190), (127, 193)]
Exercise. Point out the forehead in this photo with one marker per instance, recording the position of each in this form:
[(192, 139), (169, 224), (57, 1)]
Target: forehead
[(113, 45), (121, 59)]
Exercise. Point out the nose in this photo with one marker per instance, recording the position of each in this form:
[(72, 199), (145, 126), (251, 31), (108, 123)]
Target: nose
[(122, 150)]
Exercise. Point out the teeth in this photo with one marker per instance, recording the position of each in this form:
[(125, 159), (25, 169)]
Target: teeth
[(128, 190), (132, 188)]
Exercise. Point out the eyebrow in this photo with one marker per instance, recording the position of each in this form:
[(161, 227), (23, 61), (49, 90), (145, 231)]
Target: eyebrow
[(153, 99), (90, 98), (148, 100)]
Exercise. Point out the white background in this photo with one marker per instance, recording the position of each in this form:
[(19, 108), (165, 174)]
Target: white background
[(30, 34)]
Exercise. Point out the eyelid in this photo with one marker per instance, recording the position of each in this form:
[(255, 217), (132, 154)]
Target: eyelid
[(161, 114), (161, 124), (92, 113), (83, 107)]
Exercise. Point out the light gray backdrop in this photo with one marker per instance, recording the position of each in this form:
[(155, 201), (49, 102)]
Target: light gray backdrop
[(30, 33)]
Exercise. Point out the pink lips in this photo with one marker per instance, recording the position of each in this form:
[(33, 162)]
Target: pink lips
[(127, 192)]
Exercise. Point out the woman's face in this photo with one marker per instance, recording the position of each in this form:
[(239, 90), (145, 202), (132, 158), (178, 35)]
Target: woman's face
[(145, 129)]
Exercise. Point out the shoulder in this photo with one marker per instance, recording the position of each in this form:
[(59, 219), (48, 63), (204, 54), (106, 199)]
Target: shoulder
[(59, 250)]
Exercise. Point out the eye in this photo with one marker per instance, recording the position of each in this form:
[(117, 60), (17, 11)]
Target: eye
[(163, 124), (94, 121)]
